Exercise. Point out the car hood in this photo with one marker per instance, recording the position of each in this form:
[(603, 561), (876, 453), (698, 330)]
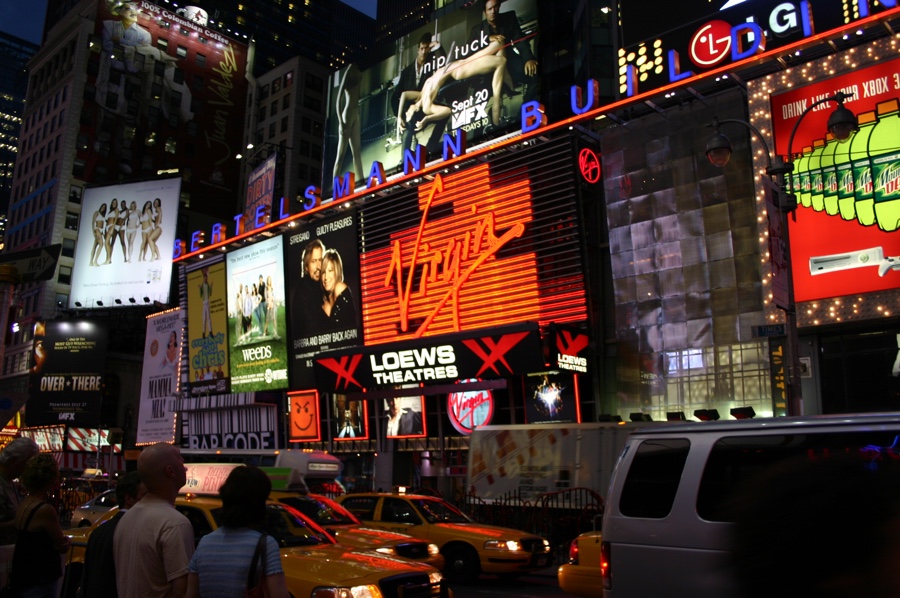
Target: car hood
[(367, 537), (342, 564), (489, 531)]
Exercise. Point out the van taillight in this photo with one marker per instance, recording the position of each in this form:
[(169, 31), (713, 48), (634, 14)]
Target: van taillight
[(573, 552), (605, 569)]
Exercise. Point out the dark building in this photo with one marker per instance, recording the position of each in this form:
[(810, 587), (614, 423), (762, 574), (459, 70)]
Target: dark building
[(13, 84)]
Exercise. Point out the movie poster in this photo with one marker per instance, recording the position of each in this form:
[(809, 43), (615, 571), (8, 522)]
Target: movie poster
[(160, 377), (256, 317), (304, 416), (260, 194), (66, 376), (207, 330), (124, 247), (452, 75), (551, 398), (348, 418), (405, 417), (323, 265)]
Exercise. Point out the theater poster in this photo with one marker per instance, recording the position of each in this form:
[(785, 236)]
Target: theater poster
[(349, 418), (160, 377), (66, 376), (551, 398), (441, 80), (207, 332), (256, 317), (322, 261)]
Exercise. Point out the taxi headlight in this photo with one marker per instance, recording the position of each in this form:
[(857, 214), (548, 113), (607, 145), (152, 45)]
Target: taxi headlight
[(435, 577), (433, 550), (367, 591), (502, 545), (386, 550)]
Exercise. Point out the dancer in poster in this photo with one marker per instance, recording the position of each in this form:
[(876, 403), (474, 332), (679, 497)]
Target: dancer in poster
[(146, 229), (337, 300), (121, 219), (156, 233), (98, 226), (347, 111), (131, 225)]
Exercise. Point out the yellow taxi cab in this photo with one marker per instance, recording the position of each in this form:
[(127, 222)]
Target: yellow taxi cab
[(581, 575), (315, 565), (350, 531), (469, 548)]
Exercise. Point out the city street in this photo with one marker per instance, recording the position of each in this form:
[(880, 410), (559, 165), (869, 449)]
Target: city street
[(542, 584)]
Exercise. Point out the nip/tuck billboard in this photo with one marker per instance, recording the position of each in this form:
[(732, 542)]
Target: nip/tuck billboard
[(470, 70), (159, 86), (124, 246)]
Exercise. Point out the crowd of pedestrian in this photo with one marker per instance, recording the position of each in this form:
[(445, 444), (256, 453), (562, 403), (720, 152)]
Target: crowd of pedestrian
[(147, 548)]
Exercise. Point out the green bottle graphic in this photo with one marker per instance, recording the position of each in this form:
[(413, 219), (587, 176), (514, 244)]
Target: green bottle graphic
[(843, 163), (816, 178), (884, 152), (864, 202), (829, 176), (801, 171)]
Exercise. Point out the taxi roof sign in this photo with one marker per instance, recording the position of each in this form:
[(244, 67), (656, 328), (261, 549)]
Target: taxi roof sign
[(206, 478)]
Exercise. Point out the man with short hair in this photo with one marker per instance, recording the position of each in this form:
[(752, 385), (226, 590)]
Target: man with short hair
[(153, 541), (504, 28), (99, 576), (12, 463)]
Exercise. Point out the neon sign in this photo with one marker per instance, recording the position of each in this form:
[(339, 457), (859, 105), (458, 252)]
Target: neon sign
[(469, 409)]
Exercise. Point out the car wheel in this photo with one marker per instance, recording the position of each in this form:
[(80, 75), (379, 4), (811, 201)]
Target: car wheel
[(84, 523), (461, 564)]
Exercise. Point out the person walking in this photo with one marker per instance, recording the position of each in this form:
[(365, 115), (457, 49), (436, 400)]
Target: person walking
[(36, 563), (98, 579), (12, 464), (221, 564), (153, 541)]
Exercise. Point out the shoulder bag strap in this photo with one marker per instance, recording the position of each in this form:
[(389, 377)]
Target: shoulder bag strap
[(259, 556), (31, 514)]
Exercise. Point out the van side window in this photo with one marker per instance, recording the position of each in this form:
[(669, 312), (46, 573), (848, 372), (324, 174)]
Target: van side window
[(734, 460), (653, 477)]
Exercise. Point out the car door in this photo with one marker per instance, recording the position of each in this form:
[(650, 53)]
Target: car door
[(398, 515)]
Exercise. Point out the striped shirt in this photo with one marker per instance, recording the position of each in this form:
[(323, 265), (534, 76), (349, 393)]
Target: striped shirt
[(222, 561)]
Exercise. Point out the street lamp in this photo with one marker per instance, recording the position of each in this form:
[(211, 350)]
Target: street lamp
[(841, 123)]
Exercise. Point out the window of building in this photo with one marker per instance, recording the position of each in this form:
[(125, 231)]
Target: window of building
[(72, 221), (75, 193), (263, 92), (276, 85), (262, 114), (273, 108), (271, 130), (65, 275), (162, 43), (286, 101), (312, 103), (288, 78), (181, 51), (201, 60), (68, 248), (62, 300), (314, 83), (306, 124), (284, 124)]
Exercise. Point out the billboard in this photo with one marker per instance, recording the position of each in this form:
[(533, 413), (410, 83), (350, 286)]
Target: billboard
[(552, 398), (260, 193), (468, 71), (349, 418), (66, 377), (323, 262), (304, 416), (207, 336), (163, 85), (405, 417), (256, 317), (160, 377), (124, 246), (843, 235), (688, 40)]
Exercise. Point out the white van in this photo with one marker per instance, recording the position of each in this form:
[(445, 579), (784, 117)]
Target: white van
[(667, 518)]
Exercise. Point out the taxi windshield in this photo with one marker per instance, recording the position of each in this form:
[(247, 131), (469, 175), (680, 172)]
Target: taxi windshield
[(323, 513), (290, 530), (437, 511)]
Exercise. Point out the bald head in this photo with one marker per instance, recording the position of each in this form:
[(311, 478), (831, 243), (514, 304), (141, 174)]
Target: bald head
[(161, 468)]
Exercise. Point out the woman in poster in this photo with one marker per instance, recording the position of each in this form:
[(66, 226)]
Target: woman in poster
[(132, 222), (488, 60), (98, 225), (171, 356), (271, 311), (146, 228), (157, 228), (121, 219), (337, 300), (347, 111), (110, 231)]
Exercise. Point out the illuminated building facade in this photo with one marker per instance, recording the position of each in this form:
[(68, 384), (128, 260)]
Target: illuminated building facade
[(13, 84)]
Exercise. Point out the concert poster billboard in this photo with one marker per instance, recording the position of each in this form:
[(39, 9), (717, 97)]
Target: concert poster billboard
[(124, 245), (305, 424), (256, 317), (160, 379), (323, 286), (66, 376), (552, 398), (160, 85), (373, 115), (207, 331), (349, 418)]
